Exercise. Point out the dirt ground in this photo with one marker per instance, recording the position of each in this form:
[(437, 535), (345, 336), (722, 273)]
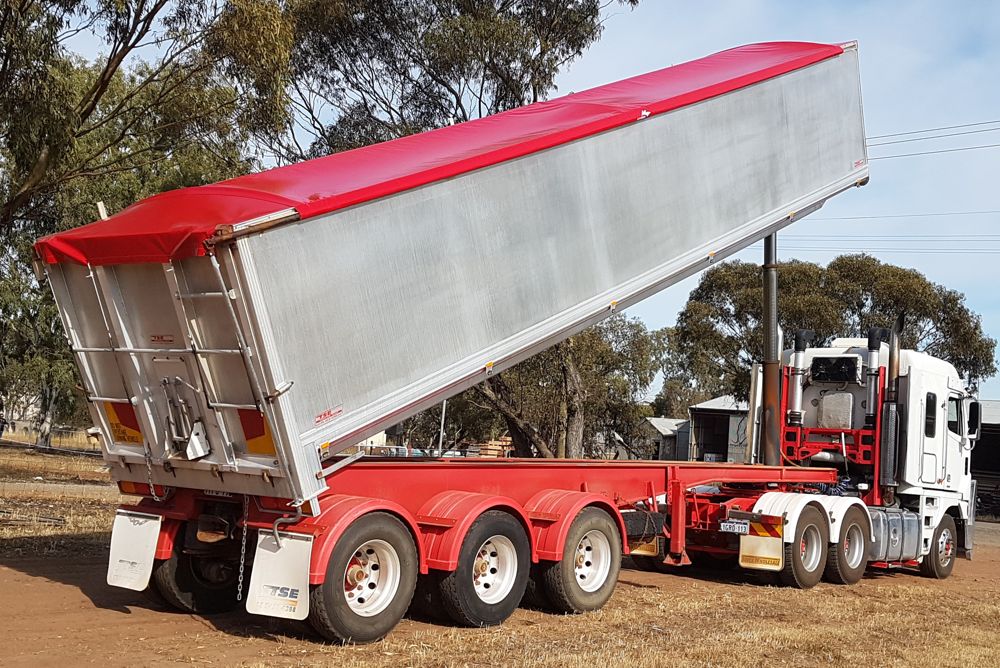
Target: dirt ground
[(57, 610)]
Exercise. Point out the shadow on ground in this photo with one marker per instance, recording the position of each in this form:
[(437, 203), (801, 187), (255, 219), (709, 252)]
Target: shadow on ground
[(86, 571), (88, 575)]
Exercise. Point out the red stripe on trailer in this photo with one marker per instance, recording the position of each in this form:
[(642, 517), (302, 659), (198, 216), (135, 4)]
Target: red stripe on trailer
[(177, 224)]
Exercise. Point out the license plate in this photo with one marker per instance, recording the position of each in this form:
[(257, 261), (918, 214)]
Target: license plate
[(735, 526)]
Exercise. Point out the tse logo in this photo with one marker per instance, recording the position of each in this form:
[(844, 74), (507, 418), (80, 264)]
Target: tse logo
[(282, 592)]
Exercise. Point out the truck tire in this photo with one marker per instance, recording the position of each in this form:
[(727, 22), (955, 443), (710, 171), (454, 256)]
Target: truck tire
[(492, 572), (427, 604), (847, 560), (805, 556), (535, 597), (584, 579), (369, 584), (195, 584), (940, 561)]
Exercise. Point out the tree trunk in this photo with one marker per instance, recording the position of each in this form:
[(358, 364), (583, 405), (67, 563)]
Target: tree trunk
[(563, 424), (574, 398), (520, 442), (45, 423), (523, 434)]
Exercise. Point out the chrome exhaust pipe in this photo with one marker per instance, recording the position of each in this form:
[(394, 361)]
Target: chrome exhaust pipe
[(875, 337), (890, 415), (803, 338)]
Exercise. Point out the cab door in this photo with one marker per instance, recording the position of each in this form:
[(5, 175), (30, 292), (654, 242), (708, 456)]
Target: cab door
[(954, 444), (933, 435)]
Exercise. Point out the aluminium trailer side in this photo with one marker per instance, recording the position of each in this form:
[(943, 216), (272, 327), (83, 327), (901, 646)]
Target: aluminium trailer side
[(231, 336)]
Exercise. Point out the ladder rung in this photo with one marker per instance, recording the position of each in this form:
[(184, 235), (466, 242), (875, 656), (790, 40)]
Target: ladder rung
[(218, 404), (198, 295)]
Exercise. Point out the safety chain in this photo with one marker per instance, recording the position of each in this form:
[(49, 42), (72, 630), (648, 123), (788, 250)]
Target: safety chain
[(243, 547), (149, 476)]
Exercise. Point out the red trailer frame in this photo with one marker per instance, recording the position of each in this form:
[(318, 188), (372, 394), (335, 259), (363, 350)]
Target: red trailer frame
[(439, 499)]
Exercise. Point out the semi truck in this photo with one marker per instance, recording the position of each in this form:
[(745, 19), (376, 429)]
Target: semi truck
[(235, 339)]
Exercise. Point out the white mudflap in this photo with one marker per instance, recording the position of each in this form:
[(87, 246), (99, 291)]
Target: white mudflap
[(762, 553), (133, 547), (279, 582)]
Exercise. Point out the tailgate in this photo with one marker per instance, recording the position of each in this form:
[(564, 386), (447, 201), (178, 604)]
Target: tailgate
[(173, 382)]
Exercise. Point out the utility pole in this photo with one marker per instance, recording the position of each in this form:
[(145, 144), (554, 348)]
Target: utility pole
[(772, 364)]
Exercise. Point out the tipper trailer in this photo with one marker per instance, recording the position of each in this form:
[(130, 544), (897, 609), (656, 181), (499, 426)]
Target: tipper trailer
[(234, 339)]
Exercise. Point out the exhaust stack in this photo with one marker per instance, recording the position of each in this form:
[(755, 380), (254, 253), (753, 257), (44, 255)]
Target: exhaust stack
[(803, 338), (875, 337), (890, 413)]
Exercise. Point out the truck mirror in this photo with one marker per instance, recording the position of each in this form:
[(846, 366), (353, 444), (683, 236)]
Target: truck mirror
[(975, 420)]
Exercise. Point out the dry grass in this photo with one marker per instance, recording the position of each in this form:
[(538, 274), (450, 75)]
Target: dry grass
[(28, 526), (24, 464), (902, 622)]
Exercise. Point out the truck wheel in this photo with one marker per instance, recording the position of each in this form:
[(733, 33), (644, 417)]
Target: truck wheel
[(847, 560), (940, 561), (370, 580), (195, 584), (805, 556), (492, 572), (584, 579)]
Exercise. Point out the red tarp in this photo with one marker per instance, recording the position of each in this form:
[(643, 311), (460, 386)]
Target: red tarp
[(176, 224)]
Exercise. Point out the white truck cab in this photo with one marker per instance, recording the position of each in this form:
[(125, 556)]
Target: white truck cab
[(901, 426)]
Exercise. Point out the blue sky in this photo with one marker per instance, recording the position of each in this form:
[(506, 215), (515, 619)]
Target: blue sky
[(923, 65)]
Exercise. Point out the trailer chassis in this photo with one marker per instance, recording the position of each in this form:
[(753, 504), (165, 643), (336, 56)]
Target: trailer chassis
[(663, 512)]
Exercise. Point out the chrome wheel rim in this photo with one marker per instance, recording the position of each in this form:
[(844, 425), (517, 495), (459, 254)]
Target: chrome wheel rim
[(946, 547), (810, 549), (495, 569), (854, 546), (592, 561), (371, 578)]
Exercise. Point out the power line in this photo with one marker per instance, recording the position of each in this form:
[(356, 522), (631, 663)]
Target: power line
[(907, 251), (944, 150), (944, 127), (916, 238), (912, 215), (941, 136)]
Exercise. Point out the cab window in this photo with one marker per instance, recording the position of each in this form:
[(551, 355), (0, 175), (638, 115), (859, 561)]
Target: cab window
[(930, 415), (954, 415)]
